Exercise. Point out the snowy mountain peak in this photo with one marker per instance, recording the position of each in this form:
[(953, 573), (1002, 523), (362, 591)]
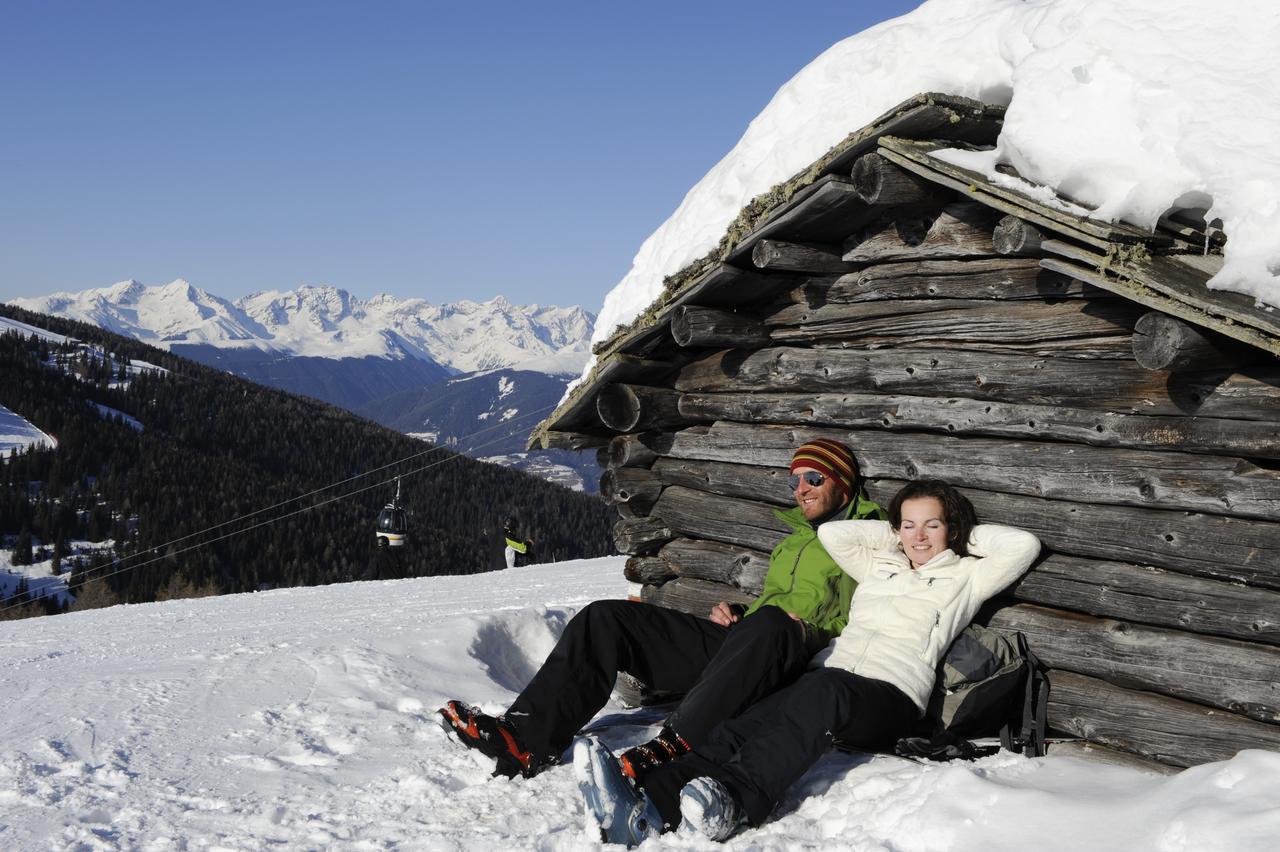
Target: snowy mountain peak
[(124, 292), (328, 322)]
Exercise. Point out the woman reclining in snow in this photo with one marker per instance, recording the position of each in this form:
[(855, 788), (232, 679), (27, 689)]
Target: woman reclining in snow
[(921, 578)]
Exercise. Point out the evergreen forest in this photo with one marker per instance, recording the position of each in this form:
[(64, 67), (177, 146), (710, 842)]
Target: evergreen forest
[(230, 486)]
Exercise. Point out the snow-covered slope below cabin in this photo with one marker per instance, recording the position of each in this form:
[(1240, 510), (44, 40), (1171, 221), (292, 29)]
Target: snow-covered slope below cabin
[(325, 322), (305, 719)]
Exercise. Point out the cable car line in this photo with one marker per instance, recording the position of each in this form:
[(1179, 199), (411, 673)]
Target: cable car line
[(120, 569), (252, 527)]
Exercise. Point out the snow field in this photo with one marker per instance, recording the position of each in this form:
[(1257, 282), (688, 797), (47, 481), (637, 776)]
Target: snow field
[(305, 719)]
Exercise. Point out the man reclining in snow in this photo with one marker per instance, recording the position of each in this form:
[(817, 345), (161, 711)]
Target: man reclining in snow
[(723, 665)]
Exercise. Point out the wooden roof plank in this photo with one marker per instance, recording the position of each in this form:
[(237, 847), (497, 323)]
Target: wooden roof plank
[(827, 211), (1156, 300), (626, 357), (929, 115), (973, 191), (921, 154), (1181, 277), (924, 116), (1184, 277), (577, 415)]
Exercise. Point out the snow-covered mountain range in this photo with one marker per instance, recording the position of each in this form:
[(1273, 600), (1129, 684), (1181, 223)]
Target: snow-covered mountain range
[(326, 322)]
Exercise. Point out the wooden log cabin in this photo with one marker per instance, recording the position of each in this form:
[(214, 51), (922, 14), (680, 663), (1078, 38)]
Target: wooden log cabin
[(1071, 376)]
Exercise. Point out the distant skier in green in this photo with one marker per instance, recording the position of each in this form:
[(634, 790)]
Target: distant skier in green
[(519, 549)]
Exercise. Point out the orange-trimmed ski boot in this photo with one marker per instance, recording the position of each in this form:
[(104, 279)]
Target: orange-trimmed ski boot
[(493, 737), (639, 760)]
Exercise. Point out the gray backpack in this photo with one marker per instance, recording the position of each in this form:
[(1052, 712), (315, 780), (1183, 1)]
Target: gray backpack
[(989, 683)]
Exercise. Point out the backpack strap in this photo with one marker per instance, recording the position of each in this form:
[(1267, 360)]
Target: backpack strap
[(1036, 711), (1035, 707)]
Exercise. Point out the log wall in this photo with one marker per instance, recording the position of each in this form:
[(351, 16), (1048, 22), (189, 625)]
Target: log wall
[(933, 342)]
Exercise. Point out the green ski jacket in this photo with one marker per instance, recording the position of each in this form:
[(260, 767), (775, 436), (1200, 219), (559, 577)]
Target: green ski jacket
[(804, 580)]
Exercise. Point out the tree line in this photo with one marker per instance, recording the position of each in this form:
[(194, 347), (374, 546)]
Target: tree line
[(213, 448)]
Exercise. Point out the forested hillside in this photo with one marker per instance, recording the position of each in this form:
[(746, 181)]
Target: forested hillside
[(214, 448)]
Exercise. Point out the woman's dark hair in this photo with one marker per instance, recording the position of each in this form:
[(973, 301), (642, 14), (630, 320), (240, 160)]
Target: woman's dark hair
[(957, 511)]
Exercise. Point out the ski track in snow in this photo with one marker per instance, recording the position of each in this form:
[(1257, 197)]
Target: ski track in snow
[(305, 719)]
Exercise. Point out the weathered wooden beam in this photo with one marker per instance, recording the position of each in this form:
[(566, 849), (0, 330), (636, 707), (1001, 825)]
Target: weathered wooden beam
[(890, 237), (1158, 727), (698, 514), (637, 536), (707, 327), (721, 285), (879, 182), (576, 414), (695, 597), (956, 416), (730, 564), (924, 116), (1239, 677), (1238, 551), (1094, 385), (1162, 342), (635, 486), (961, 229), (1093, 475), (1184, 275), (648, 570), (1016, 237), (629, 511), (557, 440), (1140, 285), (917, 157), (1140, 593), (1068, 328), (1000, 278), (637, 450), (636, 408), (826, 211), (766, 484), (782, 256)]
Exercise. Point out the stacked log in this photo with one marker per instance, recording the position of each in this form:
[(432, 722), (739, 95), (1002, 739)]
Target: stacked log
[(1142, 453)]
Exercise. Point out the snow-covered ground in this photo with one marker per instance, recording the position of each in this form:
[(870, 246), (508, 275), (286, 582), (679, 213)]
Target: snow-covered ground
[(109, 413), (303, 719), (18, 433), (41, 581)]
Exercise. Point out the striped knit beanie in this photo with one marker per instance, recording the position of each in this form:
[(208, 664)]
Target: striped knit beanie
[(830, 458)]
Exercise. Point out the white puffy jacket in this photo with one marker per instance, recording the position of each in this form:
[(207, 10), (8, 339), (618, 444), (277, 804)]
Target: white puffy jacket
[(902, 620)]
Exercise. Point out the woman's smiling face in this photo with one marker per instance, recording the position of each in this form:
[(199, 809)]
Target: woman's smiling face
[(923, 530)]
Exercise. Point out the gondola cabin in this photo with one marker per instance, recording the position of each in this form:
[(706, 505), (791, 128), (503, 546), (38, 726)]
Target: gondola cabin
[(393, 523)]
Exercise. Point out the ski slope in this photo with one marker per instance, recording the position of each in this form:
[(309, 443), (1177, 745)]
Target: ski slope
[(304, 719)]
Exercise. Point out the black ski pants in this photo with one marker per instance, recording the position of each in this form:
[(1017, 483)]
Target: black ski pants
[(760, 754), (721, 670)]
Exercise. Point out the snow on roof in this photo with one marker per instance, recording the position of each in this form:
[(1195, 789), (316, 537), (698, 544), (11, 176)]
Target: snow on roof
[(1133, 109)]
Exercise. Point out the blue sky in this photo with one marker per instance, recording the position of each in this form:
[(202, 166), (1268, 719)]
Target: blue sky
[(438, 150)]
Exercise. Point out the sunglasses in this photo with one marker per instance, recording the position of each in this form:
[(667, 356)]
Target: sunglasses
[(811, 477)]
